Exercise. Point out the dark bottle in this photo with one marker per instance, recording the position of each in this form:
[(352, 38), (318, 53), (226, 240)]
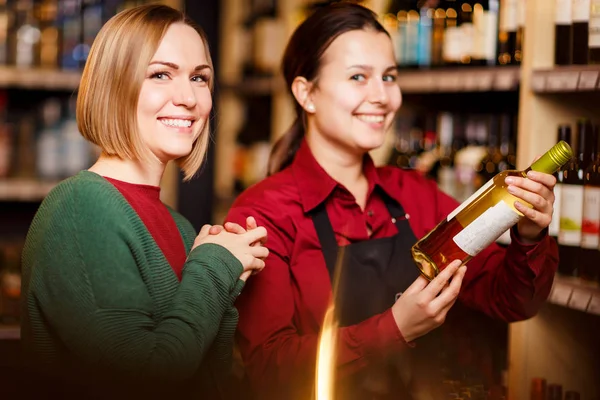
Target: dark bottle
[(520, 39), (538, 389), (572, 395), (594, 33), (581, 20), (563, 32), (507, 33), (571, 211), (590, 228), (554, 392), (437, 37), (564, 133)]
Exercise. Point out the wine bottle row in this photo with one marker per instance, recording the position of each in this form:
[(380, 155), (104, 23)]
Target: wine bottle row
[(577, 32), (542, 390), (456, 32), (576, 221), (43, 143), (52, 33)]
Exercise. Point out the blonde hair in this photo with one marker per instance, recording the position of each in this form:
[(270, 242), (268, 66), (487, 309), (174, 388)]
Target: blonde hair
[(112, 79)]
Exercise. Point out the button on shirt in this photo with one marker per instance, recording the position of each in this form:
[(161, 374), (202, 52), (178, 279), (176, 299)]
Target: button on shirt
[(282, 308)]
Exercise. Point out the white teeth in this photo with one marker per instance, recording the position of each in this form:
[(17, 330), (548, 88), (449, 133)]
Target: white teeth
[(371, 118), (180, 123)]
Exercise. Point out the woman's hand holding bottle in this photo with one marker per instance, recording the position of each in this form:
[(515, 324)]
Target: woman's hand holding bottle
[(424, 305)]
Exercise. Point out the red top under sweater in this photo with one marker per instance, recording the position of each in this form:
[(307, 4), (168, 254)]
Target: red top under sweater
[(145, 200)]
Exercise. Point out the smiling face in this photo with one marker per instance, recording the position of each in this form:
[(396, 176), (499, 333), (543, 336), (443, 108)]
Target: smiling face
[(175, 99), (356, 94)]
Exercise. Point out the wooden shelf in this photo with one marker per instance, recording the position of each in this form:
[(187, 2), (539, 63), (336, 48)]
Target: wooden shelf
[(583, 78), (24, 189), (461, 79), (576, 294), (38, 78), (10, 332)]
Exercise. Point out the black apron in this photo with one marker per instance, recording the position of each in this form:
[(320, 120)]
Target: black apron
[(374, 273)]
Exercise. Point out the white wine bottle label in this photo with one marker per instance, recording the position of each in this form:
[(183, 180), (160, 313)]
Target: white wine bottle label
[(486, 228), (571, 215), (470, 199), (555, 223), (590, 227), (563, 12), (581, 10)]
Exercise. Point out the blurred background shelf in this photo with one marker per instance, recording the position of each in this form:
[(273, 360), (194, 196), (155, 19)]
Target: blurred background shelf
[(38, 78), (455, 80), (24, 189), (576, 294), (582, 78)]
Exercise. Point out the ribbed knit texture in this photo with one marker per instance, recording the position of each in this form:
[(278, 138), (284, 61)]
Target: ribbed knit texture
[(101, 301)]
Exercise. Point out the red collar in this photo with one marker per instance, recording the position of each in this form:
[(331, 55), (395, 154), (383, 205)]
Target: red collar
[(316, 185)]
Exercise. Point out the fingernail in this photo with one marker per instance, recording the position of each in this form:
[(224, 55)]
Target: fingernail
[(509, 180), (531, 174), (511, 189)]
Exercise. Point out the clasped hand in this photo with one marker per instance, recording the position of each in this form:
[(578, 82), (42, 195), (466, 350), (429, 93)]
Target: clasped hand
[(247, 245)]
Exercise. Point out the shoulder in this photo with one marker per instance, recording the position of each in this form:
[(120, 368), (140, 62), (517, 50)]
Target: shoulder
[(274, 197)]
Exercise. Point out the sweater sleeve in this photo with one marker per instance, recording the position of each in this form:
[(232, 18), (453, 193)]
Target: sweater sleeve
[(96, 293)]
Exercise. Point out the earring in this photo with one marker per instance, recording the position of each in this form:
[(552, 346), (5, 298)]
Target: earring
[(310, 108)]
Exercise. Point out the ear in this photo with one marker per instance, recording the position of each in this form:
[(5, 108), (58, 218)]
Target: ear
[(302, 89)]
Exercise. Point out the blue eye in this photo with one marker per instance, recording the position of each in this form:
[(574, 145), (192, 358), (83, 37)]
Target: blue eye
[(358, 77), (161, 75)]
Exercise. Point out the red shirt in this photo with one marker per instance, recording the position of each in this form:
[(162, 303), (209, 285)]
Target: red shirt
[(145, 200), (282, 308)]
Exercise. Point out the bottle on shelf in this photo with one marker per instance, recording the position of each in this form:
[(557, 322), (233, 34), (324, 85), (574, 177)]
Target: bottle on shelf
[(485, 21), (520, 38), (572, 395), (590, 227), (564, 134), (554, 392), (538, 389), (507, 35), (481, 219), (581, 20), (594, 33), (571, 210), (467, 32), (453, 35), (563, 32)]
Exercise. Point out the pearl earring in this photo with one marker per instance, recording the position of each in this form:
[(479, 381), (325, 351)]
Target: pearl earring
[(310, 108)]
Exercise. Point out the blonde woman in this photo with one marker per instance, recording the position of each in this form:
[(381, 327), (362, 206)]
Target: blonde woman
[(121, 297)]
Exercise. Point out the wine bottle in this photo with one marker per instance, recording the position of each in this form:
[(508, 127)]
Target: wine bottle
[(481, 219), (581, 20), (507, 33), (571, 210), (564, 133), (594, 33), (563, 31), (521, 15), (538, 389), (590, 227)]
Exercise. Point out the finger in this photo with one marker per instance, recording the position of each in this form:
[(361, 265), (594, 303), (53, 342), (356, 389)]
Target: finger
[(256, 234), (259, 252), (204, 231), (540, 185), (538, 202), (215, 230), (245, 275), (232, 227), (438, 283), (251, 223), (541, 218), (450, 293), (418, 285), (256, 263), (545, 179)]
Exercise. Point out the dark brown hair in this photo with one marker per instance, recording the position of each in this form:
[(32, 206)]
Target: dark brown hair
[(302, 57)]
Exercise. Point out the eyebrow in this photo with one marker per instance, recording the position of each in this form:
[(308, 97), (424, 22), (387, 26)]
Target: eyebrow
[(176, 67), (370, 68)]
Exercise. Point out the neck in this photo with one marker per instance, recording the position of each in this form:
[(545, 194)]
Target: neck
[(344, 167), (131, 171)]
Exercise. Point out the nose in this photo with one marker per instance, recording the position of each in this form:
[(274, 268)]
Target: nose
[(378, 93), (184, 94)]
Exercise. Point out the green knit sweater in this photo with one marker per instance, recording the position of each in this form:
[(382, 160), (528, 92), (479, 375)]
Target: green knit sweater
[(101, 302)]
